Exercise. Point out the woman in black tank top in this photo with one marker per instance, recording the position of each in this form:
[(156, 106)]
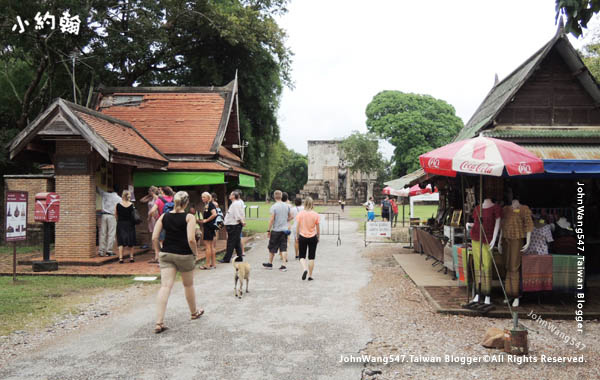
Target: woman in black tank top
[(178, 254)]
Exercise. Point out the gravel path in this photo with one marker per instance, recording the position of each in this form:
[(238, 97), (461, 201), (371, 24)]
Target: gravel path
[(284, 328), (404, 324)]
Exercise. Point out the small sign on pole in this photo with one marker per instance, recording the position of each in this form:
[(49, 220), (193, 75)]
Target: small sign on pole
[(15, 226), (378, 232)]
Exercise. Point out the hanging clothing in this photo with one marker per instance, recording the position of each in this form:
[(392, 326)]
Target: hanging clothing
[(540, 237), (488, 220), (512, 250), (516, 222)]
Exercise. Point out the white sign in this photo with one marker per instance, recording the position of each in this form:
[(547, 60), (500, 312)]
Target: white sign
[(379, 230), (16, 215)]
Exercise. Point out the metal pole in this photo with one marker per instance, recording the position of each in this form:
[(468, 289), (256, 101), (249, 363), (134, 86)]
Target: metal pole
[(46, 241), (465, 268), (480, 230), (74, 93), (403, 204)]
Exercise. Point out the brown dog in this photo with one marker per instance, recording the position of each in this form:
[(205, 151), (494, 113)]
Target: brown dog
[(242, 272)]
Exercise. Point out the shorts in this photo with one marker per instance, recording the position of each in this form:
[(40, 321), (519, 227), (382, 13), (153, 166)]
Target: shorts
[(371, 215), (278, 241), (182, 263), (209, 233), (309, 244), (385, 215)]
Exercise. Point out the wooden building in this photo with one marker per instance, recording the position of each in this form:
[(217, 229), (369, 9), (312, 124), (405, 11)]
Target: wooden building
[(184, 137)]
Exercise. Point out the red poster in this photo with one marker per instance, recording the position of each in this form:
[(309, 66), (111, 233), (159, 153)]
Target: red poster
[(16, 216)]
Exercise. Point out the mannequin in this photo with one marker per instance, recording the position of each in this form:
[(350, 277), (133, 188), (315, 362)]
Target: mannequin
[(515, 238), (490, 216)]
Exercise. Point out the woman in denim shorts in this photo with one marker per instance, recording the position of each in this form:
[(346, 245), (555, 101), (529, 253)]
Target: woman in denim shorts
[(178, 254)]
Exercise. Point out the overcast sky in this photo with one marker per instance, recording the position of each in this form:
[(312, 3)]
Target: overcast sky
[(348, 51)]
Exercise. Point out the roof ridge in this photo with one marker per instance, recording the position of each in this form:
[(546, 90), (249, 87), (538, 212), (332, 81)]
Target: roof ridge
[(166, 89)]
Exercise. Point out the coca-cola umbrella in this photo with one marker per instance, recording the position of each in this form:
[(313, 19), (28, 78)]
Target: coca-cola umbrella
[(483, 156), (416, 190)]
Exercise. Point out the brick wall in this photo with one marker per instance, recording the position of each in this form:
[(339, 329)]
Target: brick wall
[(76, 230)]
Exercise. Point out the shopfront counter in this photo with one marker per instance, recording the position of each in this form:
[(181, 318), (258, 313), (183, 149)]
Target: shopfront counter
[(554, 273)]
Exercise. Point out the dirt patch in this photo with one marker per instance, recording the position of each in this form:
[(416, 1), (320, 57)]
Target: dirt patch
[(406, 327)]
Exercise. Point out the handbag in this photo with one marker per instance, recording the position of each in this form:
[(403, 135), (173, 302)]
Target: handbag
[(136, 216)]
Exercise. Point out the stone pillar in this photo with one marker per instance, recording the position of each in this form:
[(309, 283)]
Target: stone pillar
[(76, 230)]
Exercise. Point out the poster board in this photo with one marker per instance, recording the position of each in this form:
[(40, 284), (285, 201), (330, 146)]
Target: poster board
[(15, 205)]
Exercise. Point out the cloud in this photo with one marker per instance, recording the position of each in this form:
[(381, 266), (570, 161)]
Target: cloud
[(348, 51)]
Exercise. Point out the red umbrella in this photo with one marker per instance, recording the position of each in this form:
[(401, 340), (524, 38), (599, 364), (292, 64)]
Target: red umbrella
[(416, 190), (481, 155), (387, 190)]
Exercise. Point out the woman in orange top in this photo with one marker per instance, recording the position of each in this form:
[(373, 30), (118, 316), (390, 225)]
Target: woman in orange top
[(308, 237)]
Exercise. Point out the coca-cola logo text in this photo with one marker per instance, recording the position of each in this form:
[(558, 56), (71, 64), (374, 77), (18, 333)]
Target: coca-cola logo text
[(524, 168), (476, 167), (433, 163)]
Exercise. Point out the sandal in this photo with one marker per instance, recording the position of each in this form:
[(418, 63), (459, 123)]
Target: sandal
[(160, 327), (203, 267), (153, 261), (120, 261), (132, 260), (197, 314)]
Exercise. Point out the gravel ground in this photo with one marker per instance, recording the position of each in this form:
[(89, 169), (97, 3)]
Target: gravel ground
[(285, 328), (101, 306), (403, 323)]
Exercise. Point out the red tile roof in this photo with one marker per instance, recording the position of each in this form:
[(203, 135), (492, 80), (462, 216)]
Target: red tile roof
[(224, 152), (209, 166), (238, 169), (124, 139), (177, 123)]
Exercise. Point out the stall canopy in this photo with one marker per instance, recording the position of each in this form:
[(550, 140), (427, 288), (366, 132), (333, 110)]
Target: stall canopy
[(431, 197), (404, 181), (147, 179), (567, 158)]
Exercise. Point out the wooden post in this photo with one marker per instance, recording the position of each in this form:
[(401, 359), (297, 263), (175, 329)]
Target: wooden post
[(14, 262)]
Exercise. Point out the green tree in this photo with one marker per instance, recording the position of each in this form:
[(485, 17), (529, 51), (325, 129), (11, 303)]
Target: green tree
[(577, 14), (148, 42), (361, 151), (590, 54), (414, 124), (293, 173)]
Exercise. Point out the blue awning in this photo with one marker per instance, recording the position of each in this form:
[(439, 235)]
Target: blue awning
[(571, 166)]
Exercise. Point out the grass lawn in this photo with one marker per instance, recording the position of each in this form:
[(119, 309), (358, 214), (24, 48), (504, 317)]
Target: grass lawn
[(260, 225), (7, 248), (33, 301), (423, 212)]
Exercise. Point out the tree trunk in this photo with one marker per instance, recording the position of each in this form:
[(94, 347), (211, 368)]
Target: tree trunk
[(28, 97)]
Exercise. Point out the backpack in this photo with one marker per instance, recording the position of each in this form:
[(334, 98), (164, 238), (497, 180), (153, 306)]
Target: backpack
[(218, 221), (386, 205), (168, 206)]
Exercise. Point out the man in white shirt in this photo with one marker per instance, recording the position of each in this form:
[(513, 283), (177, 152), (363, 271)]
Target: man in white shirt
[(234, 222), (108, 222), (370, 205)]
